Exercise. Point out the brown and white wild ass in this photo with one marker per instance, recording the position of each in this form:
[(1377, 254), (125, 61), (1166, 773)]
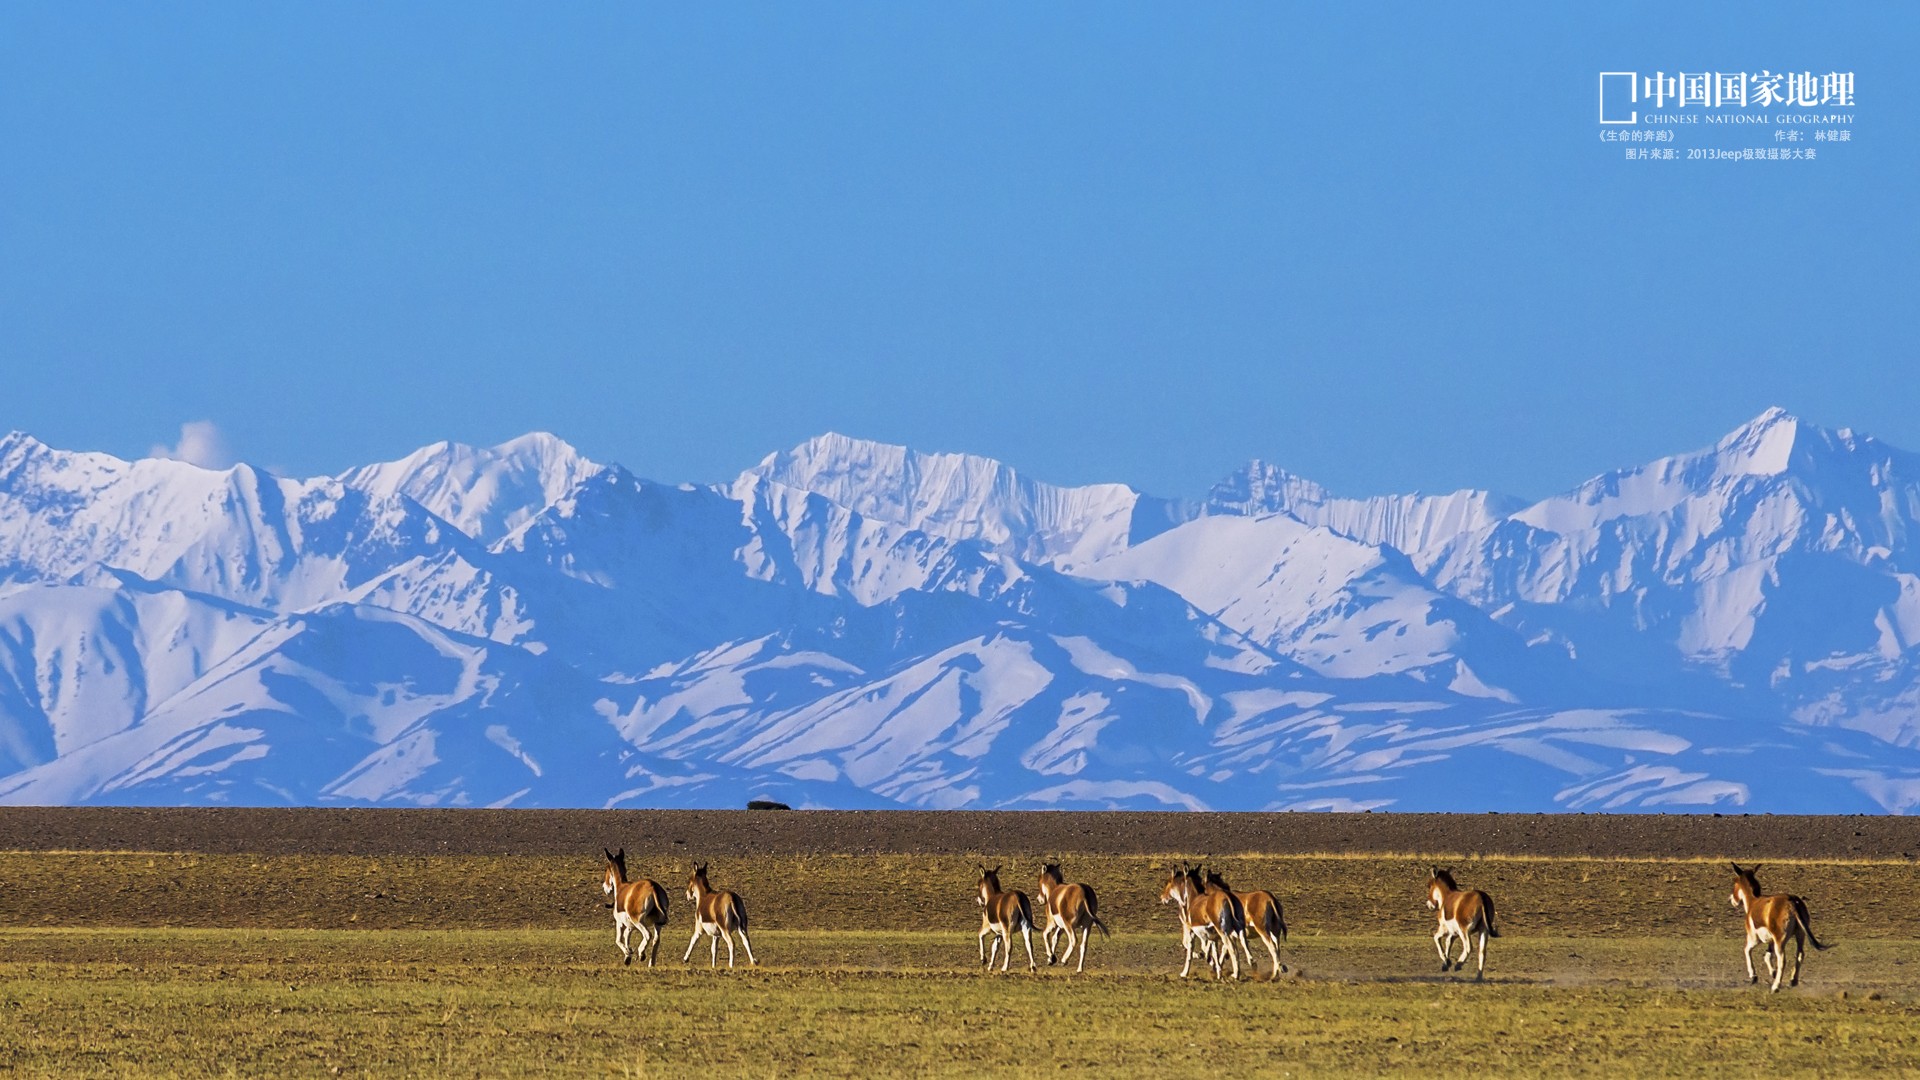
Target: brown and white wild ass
[(637, 905), (1264, 918), (1207, 919), (1464, 914), (718, 914), (1772, 921), (1001, 914), (1070, 908)]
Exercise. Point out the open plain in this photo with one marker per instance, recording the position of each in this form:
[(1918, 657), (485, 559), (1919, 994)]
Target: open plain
[(323, 942)]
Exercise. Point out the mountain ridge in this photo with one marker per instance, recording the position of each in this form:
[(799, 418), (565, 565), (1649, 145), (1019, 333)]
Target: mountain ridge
[(852, 623)]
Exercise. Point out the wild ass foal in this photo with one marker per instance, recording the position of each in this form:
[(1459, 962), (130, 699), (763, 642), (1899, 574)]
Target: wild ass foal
[(1772, 921), (1069, 908), (637, 905), (1208, 919), (1002, 913), (1464, 914), (717, 914), (1264, 918)]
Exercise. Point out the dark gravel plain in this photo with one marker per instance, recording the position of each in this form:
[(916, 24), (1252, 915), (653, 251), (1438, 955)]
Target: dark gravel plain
[(728, 833)]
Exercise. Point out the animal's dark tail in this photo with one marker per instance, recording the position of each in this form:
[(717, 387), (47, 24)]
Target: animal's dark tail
[(1276, 920), (739, 914), (1492, 930), (1236, 914), (1026, 910), (1806, 923)]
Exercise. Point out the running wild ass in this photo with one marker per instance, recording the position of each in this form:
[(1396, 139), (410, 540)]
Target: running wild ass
[(1464, 914), (1207, 919), (637, 905), (1772, 921), (1264, 918), (1070, 908), (1001, 914), (717, 914)]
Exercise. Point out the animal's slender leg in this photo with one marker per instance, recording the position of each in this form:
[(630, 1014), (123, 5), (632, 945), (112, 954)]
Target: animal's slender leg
[(1445, 961), (620, 940), (729, 937), (1272, 952), (1799, 954), (1747, 955), (748, 945), (1483, 955), (1026, 934), (691, 942), (1779, 965), (713, 951), (1186, 945), (984, 931), (1084, 931), (993, 949)]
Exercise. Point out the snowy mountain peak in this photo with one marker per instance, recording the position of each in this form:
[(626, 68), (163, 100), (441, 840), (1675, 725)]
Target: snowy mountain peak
[(1419, 525), (1776, 458), (1762, 446), (1263, 488), (485, 492), (966, 497)]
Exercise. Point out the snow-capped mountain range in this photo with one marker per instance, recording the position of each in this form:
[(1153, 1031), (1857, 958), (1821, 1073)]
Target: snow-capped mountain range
[(853, 624)]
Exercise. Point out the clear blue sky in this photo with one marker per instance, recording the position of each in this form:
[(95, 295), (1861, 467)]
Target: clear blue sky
[(1383, 248)]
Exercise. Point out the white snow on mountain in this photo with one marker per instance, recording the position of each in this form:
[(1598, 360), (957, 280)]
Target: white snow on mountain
[(856, 624), (239, 534), (1420, 526), (962, 497), (1779, 561), (484, 492), (1343, 608)]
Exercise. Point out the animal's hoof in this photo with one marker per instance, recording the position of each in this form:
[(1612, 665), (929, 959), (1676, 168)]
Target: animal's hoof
[(627, 960)]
